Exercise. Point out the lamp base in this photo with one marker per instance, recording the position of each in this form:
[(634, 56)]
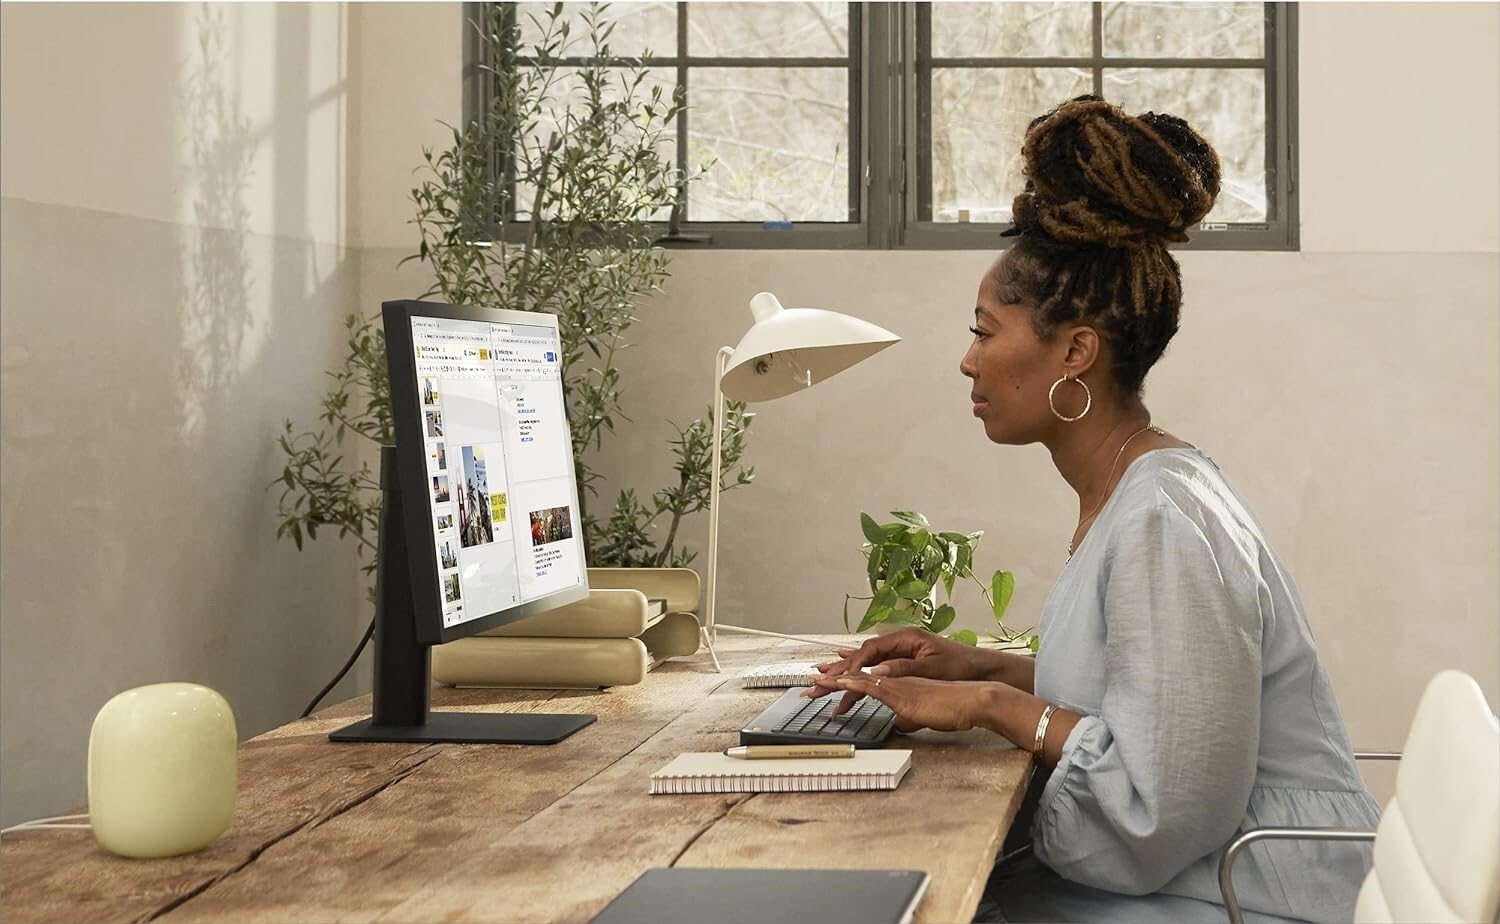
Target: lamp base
[(709, 643)]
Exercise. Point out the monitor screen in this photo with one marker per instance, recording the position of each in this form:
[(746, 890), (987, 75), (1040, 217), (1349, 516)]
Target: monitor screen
[(500, 536)]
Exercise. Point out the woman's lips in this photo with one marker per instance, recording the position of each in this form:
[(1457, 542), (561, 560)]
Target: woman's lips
[(979, 404)]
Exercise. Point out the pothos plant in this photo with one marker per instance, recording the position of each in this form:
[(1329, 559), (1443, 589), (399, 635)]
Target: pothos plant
[(907, 560), (543, 202)]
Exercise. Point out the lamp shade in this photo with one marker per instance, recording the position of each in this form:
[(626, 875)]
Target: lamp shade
[(789, 349)]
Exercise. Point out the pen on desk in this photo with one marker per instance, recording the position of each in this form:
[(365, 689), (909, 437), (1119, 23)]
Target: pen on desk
[(785, 751)]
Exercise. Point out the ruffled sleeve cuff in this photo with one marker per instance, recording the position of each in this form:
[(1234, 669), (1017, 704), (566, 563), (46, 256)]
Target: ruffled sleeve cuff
[(1056, 811)]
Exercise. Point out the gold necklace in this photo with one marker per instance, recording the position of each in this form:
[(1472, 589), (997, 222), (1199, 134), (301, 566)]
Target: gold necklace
[(1100, 506)]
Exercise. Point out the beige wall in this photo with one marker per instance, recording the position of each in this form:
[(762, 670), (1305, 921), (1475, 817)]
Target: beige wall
[(212, 217), (1399, 144), (174, 200)]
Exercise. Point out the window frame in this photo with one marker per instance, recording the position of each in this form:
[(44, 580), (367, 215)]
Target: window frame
[(887, 69), (1278, 232)]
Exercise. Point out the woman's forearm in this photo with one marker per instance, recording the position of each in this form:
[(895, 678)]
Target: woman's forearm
[(1015, 714), (1010, 668)]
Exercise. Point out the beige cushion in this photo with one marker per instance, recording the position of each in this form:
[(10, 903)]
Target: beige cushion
[(1437, 851)]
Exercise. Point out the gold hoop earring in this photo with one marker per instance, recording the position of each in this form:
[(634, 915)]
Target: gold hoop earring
[(1088, 398)]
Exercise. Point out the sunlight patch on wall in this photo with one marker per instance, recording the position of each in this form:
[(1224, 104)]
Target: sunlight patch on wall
[(220, 155)]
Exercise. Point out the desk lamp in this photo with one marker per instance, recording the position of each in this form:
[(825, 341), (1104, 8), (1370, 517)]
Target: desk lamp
[(785, 350)]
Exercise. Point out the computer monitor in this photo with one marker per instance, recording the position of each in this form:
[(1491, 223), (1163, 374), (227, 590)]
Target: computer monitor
[(480, 522)]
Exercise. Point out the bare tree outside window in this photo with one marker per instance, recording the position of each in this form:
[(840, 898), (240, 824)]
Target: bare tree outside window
[(900, 124), (993, 66)]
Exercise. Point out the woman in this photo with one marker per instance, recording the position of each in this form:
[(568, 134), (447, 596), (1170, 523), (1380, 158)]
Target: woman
[(1177, 698)]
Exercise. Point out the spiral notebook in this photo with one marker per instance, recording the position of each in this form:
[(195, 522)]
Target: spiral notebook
[(713, 772)]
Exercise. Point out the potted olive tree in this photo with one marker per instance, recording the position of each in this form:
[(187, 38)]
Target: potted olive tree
[(544, 201), (557, 219)]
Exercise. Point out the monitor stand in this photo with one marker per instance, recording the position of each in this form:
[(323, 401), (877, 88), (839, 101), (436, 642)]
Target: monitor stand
[(403, 663)]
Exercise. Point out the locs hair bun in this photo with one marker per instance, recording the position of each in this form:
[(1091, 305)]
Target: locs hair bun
[(1096, 175)]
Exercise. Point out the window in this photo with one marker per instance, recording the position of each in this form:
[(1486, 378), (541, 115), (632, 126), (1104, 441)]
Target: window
[(886, 125)]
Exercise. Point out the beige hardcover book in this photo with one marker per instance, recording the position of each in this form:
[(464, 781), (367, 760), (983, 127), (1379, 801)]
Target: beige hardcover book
[(547, 663), (714, 772), (672, 636), (680, 587), (604, 613)]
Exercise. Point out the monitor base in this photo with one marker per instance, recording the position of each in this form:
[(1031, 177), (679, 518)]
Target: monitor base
[(471, 728)]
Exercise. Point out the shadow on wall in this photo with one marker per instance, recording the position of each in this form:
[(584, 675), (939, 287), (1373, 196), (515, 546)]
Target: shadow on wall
[(216, 277), (259, 322)]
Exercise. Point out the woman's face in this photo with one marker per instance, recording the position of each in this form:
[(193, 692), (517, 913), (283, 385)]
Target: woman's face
[(1011, 369)]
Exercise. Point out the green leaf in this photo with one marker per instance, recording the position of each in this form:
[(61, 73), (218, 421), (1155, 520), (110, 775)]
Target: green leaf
[(877, 558), (910, 516), (932, 561), (885, 597), (955, 537), (871, 529), (943, 618), (1002, 587), (1035, 644), (897, 561), (902, 617), (873, 615), (919, 539), (965, 637), (913, 590)]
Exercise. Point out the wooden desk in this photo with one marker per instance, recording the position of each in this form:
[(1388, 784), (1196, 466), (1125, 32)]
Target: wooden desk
[(506, 833)]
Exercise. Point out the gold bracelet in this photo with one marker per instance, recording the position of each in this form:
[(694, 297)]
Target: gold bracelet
[(1041, 730)]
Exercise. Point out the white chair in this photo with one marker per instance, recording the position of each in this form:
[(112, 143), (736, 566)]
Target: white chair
[(1437, 850)]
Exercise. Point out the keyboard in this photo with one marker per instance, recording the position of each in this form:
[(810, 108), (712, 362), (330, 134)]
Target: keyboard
[(795, 719)]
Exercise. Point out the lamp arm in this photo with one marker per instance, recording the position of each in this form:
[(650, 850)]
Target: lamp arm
[(720, 362)]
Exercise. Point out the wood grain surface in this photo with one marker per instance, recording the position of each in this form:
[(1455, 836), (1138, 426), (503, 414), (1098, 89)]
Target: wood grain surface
[(509, 833)]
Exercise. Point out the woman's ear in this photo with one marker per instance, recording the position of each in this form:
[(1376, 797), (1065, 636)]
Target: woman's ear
[(1081, 349)]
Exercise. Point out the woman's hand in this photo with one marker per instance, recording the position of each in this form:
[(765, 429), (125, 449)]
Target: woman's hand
[(918, 702), (912, 653)]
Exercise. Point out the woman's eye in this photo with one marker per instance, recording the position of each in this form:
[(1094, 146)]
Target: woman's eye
[(978, 333)]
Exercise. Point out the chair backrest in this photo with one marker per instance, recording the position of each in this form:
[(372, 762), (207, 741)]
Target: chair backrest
[(1437, 851)]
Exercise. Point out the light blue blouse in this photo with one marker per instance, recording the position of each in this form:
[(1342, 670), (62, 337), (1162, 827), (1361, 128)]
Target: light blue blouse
[(1179, 635)]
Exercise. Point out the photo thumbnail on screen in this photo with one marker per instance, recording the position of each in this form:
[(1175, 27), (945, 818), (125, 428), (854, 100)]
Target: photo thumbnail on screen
[(553, 524), (476, 525)]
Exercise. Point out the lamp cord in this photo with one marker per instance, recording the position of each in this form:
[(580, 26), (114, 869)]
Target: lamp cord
[(369, 631)]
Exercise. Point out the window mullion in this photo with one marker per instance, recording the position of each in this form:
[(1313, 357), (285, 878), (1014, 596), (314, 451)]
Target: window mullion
[(1284, 127), (1098, 48), (919, 147), (882, 106), (909, 130), (858, 143), (683, 205)]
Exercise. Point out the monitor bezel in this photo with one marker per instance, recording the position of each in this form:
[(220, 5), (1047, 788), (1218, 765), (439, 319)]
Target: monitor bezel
[(411, 462)]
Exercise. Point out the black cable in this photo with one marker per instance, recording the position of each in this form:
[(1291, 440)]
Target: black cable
[(369, 631)]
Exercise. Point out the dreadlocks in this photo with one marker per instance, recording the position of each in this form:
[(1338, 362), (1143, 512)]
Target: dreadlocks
[(1105, 193)]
